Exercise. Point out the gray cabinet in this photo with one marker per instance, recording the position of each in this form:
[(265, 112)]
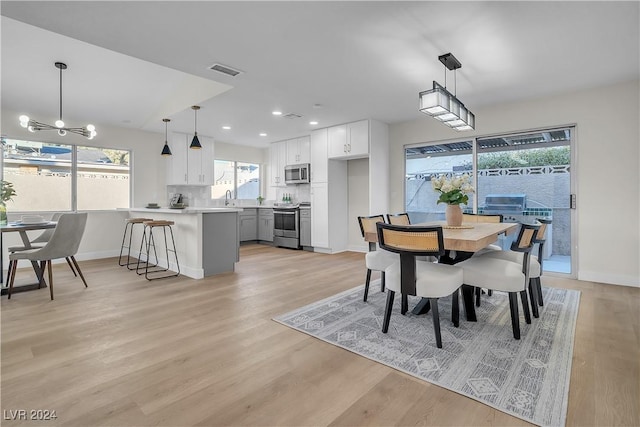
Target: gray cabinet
[(305, 227), (265, 224), (248, 224)]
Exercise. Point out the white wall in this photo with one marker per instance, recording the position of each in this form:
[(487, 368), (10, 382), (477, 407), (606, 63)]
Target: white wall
[(607, 123)]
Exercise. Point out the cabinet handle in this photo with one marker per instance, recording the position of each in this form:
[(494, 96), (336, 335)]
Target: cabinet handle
[(349, 145), (185, 177), (344, 149)]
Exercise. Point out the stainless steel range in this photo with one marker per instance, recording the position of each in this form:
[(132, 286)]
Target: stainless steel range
[(286, 225)]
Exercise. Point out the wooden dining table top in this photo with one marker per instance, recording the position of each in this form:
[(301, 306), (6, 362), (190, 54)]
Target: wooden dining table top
[(470, 238)]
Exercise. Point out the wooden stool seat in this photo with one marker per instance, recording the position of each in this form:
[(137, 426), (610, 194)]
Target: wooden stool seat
[(138, 220), (158, 223)]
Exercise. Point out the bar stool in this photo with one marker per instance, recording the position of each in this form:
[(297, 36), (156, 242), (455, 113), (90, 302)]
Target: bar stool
[(129, 223), (148, 241)]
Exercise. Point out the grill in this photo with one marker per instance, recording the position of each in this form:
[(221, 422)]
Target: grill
[(505, 204)]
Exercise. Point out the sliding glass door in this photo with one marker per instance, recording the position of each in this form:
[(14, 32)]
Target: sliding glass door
[(524, 177)]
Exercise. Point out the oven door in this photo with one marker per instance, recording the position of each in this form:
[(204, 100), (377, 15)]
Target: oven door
[(285, 223)]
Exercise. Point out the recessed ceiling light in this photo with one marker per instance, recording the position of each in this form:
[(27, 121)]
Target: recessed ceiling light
[(313, 122), (226, 127), (263, 134), (276, 113)]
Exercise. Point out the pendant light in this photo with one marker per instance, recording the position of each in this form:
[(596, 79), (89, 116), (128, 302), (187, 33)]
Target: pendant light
[(195, 142), (89, 131), (166, 151)]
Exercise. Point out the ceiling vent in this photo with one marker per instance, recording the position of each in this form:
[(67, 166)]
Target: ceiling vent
[(225, 70), (292, 116)]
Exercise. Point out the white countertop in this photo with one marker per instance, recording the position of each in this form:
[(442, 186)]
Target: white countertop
[(189, 210)]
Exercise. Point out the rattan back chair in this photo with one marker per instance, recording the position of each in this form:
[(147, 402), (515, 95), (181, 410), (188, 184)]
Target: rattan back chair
[(399, 219), (492, 272), (469, 217), (413, 277), (377, 260)]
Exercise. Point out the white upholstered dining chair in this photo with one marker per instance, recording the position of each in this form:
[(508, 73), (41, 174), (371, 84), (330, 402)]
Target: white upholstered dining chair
[(376, 259), (409, 276), (505, 275)]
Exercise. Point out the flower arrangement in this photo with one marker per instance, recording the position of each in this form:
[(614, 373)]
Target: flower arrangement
[(453, 191)]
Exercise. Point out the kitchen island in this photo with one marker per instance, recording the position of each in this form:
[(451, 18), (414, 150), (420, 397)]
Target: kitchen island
[(207, 239)]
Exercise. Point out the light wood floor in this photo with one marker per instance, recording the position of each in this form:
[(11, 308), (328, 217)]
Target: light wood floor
[(181, 352)]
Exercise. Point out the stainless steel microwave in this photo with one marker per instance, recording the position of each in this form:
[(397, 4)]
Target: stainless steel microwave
[(297, 174)]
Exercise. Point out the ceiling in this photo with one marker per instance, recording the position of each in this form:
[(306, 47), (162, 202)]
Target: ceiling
[(133, 63)]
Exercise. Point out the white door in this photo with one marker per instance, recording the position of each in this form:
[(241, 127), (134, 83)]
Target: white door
[(319, 161), (358, 138)]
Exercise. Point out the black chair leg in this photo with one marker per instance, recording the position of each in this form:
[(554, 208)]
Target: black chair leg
[(515, 321), (489, 292), (525, 306), (539, 289), (455, 308), (387, 311), (436, 321), (534, 299), (405, 304), (478, 292), (382, 281), (13, 277), (366, 285)]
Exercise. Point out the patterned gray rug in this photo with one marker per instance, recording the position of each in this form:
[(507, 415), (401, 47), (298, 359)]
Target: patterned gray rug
[(528, 378)]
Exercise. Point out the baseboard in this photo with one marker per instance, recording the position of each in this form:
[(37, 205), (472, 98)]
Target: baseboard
[(611, 279)]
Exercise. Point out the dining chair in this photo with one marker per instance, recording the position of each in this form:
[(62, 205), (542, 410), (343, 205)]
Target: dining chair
[(421, 278), (399, 219), (64, 243), (535, 264), (375, 259), (505, 275), (38, 242)]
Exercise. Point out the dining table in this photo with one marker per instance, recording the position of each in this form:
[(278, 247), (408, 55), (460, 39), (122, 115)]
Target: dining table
[(22, 228), (460, 243)]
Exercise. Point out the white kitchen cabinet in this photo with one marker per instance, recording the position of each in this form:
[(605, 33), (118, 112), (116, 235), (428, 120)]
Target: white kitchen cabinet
[(187, 166), (319, 158), (277, 162), (329, 210), (265, 224), (349, 141), (320, 214), (298, 150)]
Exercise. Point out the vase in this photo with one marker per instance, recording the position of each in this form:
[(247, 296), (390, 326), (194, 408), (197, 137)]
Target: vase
[(453, 214)]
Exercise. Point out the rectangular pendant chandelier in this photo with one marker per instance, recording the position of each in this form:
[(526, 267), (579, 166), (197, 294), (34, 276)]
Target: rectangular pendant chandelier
[(442, 105)]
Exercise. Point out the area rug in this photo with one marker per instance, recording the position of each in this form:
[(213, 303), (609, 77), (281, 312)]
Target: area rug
[(527, 378)]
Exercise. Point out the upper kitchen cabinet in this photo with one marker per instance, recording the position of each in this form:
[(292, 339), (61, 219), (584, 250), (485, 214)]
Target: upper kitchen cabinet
[(187, 166), (277, 162), (349, 141), (298, 150)]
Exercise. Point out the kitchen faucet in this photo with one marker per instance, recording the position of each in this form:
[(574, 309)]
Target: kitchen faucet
[(227, 196)]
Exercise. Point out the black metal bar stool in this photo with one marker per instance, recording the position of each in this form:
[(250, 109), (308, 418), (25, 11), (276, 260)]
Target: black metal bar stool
[(128, 228), (148, 241)]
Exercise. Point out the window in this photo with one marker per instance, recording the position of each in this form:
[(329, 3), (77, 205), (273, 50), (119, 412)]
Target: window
[(44, 175), (242, 179), (103, 178)]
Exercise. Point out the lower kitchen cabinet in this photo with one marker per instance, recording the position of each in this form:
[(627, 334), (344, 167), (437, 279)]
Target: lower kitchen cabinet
[(305, 227), (248, 224), (265, 225)]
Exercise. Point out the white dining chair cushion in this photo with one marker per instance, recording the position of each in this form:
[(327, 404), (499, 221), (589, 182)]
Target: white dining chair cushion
[(517, 257), (380, 259), (432, 280), (490, 248), (493, 273)]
